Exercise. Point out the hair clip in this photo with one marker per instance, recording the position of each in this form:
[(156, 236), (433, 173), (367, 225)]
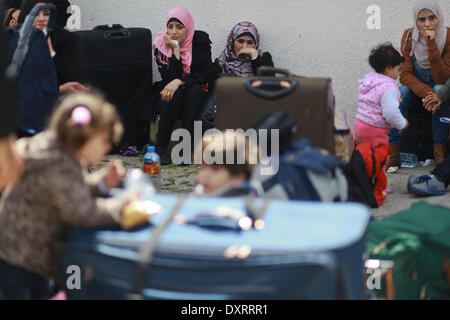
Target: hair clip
[(81, 115), (399, 52)]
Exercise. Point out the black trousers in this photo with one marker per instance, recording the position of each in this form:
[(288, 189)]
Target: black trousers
[(186, 105), (442, 171)]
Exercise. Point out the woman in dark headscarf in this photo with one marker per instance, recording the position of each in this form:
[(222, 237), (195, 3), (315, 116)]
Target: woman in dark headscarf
[(242, 55), (32, 65), (426, 48)]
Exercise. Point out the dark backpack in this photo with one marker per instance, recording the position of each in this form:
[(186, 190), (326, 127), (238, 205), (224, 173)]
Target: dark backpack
[(306, 173), (286, 125)]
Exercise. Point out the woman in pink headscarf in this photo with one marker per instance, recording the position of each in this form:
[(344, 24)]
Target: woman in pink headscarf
[(183, 58)]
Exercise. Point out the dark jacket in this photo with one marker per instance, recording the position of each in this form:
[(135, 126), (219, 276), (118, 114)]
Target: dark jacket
[(444, 92), (202, 70), (37, 84), (68, 59), (68, 47), (8, 109)]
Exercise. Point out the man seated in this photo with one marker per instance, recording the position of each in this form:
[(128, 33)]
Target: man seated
[(438, 181)]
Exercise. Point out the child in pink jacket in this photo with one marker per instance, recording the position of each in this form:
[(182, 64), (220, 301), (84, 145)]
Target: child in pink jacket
[(379, 98)]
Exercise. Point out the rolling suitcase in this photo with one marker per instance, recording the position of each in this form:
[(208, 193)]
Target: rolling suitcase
[(297, 250), (309, 101), (118, 61)]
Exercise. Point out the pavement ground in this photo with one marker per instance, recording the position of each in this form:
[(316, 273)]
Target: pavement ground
[(401, 200)]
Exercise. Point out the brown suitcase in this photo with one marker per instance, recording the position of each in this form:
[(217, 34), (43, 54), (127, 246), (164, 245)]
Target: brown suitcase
[(310, 101)]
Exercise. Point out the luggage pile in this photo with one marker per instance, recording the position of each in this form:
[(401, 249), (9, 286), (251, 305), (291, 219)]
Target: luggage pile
[(220, 249)]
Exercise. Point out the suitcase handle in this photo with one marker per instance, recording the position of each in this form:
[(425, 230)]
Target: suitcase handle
[(108, 27), (117, 34), (271, 88)]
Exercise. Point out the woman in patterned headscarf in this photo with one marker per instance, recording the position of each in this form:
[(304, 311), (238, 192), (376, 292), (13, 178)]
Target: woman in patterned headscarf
[(426, 48), (242, 55)]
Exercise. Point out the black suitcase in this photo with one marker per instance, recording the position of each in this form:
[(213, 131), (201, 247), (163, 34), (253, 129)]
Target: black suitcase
[(118, 61)]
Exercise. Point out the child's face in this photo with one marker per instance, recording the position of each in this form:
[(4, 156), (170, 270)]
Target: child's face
[(214, 178), (96, 148), (393, 72)]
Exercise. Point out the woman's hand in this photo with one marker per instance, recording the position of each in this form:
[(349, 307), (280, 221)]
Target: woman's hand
[(171, 43), (248, 52), (50, 46), (406, 125), (73, 86), (168, 92), (429, 34), (115, 174), (432, 102)]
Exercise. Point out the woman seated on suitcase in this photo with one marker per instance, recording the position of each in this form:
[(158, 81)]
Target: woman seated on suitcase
[(242, 55), (63, 47), (216, 177), (183, 57), (55, 193), (426, 48), (33, 65)]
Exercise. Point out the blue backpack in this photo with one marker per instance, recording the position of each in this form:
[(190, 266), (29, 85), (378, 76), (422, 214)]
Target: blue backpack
[(306, 173)]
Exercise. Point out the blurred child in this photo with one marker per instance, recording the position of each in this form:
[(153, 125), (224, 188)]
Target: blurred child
[(55, 192), (222, 179), (379, 98)]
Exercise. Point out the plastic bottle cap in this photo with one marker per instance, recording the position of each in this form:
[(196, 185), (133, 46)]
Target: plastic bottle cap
[(151, 149)]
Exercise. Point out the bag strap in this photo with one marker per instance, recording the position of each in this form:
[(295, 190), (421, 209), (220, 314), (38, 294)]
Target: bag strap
[(256, 213), (147, 251), (374, 167)]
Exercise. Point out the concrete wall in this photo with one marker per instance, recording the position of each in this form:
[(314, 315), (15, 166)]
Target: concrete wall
[(323, 38)]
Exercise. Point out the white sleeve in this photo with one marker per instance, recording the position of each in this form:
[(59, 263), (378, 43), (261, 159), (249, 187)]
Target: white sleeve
[(390, 104)]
